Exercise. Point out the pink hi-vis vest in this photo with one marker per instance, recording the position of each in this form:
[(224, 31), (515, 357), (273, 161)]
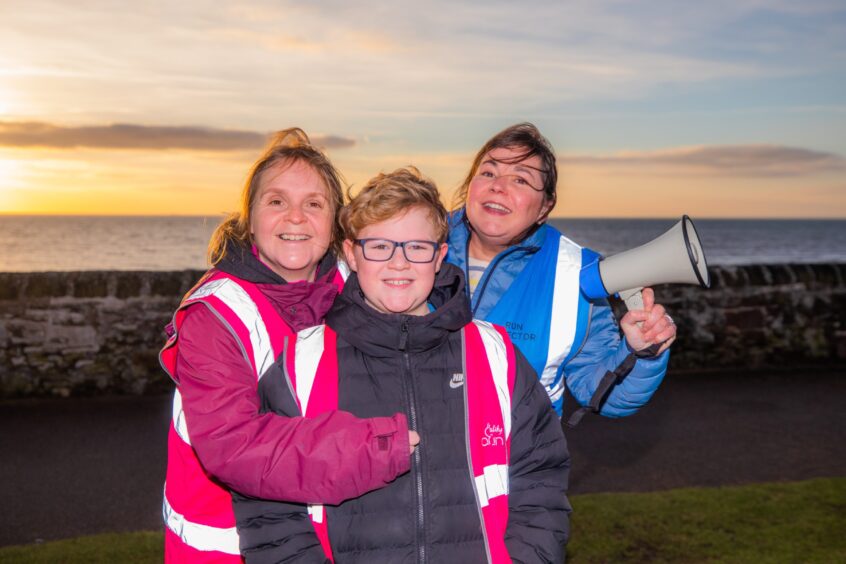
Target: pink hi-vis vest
[(197, 509), (489, 368)]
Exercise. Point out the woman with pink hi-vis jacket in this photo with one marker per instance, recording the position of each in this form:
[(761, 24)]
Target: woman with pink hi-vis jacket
[(274, 276)]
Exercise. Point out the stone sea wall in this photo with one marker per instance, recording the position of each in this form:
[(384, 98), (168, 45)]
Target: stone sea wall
[(78, 333)]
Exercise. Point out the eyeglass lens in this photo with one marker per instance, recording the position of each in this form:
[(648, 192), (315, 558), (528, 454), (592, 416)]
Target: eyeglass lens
[(383, 250)]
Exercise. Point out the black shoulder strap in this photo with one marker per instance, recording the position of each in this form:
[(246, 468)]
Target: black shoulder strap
[(611, 379)]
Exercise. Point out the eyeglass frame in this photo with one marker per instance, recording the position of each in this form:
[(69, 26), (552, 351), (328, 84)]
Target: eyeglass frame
[(361, 243), (495, 177)]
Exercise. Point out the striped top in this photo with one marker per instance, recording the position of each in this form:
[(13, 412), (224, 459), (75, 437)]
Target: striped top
[(475, 270)]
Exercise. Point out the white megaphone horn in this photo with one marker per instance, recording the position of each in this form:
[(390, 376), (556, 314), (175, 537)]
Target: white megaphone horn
[(676, 257)]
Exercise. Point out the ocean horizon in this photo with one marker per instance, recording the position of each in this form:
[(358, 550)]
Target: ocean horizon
[(37, 243)]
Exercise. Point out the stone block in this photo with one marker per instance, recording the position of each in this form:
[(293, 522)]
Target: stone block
[(10, 286), (781, 274), (166, 284), (759, 275), (733, 277), (757, 339), (804, 274), (815, 342), (76, 337), (64, 316), (16, 384), (746, 318), (41, 315), (129, 285), (91, 285), (46, 285), (826, 275), (23, 332)]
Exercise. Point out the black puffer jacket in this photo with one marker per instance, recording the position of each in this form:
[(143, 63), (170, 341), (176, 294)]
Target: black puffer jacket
[(391, 363)]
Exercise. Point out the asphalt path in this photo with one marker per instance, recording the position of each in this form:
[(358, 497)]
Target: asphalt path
[(72, 467)]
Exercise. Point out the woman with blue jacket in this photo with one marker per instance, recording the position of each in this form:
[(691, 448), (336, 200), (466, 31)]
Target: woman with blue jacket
[(523, 274)]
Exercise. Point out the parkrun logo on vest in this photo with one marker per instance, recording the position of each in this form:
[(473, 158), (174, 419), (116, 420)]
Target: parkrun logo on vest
[(516, 332), (457, 380), (493, 436)]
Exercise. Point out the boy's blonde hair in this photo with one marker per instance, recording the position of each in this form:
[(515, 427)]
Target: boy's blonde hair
[(387, 195), (286, 147)]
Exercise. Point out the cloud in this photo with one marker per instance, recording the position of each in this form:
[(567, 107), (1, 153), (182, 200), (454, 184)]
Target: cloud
[(729, 160), (146, 137), (277, 61)]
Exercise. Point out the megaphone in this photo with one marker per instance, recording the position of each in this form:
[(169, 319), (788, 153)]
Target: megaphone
[(676, 257)]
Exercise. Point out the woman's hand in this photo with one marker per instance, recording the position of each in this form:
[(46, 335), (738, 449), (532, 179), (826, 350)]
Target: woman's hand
[(413, 441), (656, 327)]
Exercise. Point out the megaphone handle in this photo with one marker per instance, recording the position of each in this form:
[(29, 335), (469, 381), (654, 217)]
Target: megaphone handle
[(633, 299)]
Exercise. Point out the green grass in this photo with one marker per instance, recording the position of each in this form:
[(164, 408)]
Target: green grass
[(782, 522), (114, 548)]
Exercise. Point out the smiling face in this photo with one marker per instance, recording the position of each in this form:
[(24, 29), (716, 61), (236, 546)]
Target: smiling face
[(291, 220), (396, 285), (501, 201)]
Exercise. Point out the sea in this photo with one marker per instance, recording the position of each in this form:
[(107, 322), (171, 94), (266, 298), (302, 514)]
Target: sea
[(31, 243)]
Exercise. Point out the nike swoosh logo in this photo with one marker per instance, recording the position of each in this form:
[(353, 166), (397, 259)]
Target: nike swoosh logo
[(457, 381)]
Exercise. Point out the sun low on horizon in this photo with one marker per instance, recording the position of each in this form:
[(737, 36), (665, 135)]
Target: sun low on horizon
[(725, 110)]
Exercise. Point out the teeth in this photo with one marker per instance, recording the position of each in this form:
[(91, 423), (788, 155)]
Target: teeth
[(293, 237), (497, 207), (398, 282)]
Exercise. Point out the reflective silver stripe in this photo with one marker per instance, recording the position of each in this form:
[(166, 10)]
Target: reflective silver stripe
[(556, 392), (239, 301), (307, 353), (316, 512), (344, 269), (492, 483), (309, 349), (201, 537), (179, 422), (498, 361), (565, 308)]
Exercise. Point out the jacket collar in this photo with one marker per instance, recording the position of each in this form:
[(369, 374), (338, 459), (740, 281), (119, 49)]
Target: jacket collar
[(384, 335), (300, 304), (239, 260), (460, 233)]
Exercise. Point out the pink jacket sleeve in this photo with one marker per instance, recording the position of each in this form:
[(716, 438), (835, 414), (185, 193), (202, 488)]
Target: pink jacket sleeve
[(325, 459)]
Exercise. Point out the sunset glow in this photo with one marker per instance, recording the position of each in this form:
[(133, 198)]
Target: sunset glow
[(654, 111)]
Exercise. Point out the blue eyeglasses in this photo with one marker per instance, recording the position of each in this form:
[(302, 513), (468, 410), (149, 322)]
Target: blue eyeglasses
[(382, 250)]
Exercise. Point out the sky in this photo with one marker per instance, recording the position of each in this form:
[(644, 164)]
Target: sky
[(655, 108)]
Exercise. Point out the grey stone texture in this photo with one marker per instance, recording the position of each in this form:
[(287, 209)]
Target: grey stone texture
[(86, 333), (759, 317)]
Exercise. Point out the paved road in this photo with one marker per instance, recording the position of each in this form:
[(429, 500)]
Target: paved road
[(73, 467)]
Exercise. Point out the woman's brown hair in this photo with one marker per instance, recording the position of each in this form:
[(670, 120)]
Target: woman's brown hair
[(286, 147), (525, 138)]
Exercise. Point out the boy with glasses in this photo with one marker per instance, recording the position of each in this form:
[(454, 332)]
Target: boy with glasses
[(488, 479)]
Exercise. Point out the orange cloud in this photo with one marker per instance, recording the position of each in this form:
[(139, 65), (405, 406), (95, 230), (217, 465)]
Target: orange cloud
[(130, 136), (723, 160)]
